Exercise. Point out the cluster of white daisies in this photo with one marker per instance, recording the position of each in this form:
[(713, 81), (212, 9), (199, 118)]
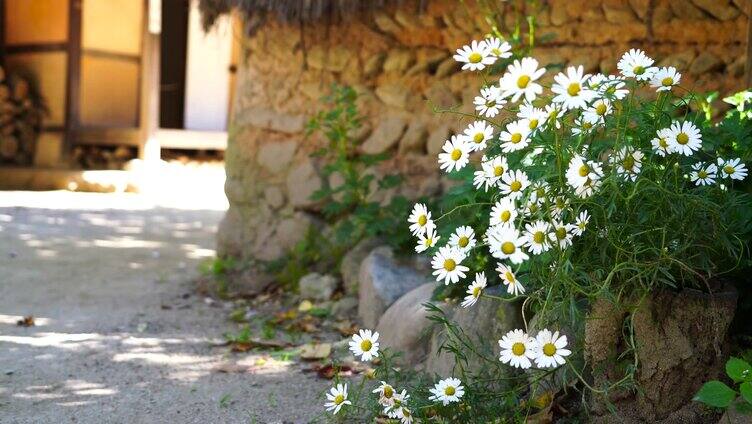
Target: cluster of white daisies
[(366, 346)]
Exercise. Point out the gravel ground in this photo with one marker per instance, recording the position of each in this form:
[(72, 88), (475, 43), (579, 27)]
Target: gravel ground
[(120, 335)]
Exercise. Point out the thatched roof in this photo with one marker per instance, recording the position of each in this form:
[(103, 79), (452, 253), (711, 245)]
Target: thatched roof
[(297, 11)]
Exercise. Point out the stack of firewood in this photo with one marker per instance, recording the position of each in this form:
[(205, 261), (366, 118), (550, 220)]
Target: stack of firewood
[(21, 115)]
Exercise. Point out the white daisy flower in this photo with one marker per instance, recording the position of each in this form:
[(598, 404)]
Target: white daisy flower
[(553, 114), (447, 265), (531, 207), (337, 398), (519, 80), (558, 206), (490, 101), (503, 212), (534, 116), (732, 168), (581, 223), (513, 183), (420, 219), (660, 144), (598, 111), (475, 290), (386, 394), (579, 172), (365, 344), (684, 138), (405, 415), (536, 237), (665, 79), (490, 173), (584, 124), (456, 154), (514, 287), (478, 134), (596, 82), (427, 240), (560, 234), (517, 349), (505, 242), (447, 391), (613, 88), (628, 163), (550, 350), (398, 400), (475, 57), (515, 136), (463, 238), (589, 187), (539, 191), (636, 64), (498, 48), (571, 89), (702, 174)]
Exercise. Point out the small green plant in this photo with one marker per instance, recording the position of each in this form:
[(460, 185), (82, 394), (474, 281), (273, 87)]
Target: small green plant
[(718, 395)]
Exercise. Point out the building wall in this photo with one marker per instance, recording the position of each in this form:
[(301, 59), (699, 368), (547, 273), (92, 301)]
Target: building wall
[(401, 65)]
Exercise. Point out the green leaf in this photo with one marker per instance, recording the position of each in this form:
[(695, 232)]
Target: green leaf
[(746, 391), (738, 370), (715, 394)]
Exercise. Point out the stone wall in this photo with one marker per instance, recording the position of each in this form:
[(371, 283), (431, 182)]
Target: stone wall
[(401, 65)]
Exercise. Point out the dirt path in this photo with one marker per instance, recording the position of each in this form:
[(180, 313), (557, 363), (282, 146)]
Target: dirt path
[(120, 336)]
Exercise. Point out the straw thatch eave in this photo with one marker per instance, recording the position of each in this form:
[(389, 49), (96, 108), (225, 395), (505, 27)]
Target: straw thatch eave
[(297, 11)]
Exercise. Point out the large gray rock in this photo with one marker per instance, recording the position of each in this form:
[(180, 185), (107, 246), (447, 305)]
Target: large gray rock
[(484, 324), (720, 9), (393, 94), (315, 286), (405, 326), (276, 156), (381, 282), (302, 181), (414, 139), (349, 268)]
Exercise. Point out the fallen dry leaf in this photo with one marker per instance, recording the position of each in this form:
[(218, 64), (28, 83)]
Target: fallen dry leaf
[(312, 351), (305, 306), (346, 328), (255, 343), (230, 368), (329, 371), (27, 321)]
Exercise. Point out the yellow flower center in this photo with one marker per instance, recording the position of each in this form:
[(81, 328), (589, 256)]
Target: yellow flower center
[(429, 242), (561, 233), (729, 169), (450, 265), (365, 345), (516, 138), (496, 52), (406, 412), (549, 349), (476, 291), (560, 203), (498, 170), (509, 276), (456, 154), (491, 103), (464, 241), (505, 215), (601, 109), (682, 138), (553, 114), (515, 186), (523, 81), (422, 220), (628, 163), (540, 192), (667, 82), (508, 247), (584, 170), (662, 142), (533, 208), (533, 124), (586, 125), (388, 392), (518, 349), (339, 399), (475, 57), (449, 391), (639, 70), (702, 174), (538, 237), (574, 89), (478, 138)]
